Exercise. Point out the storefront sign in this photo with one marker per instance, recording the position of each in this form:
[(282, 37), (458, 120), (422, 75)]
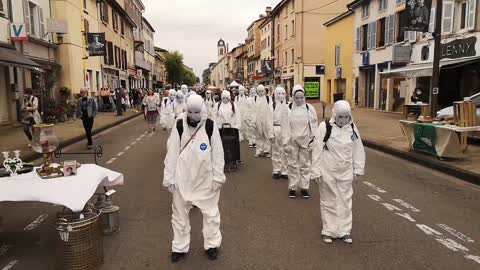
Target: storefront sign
[(96, 44), (18, 32), (401, 54), (459, 48), (56, 26), (312, 87), (365, 58), (417, 15)]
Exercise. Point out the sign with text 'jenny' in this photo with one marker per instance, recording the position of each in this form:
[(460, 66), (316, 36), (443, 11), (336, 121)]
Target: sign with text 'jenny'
[(459, 48), (18, 32)]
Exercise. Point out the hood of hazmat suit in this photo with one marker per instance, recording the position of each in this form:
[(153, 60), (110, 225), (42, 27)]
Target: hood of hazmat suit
[(180, 105), (194, 165), (184, 89), (226, 112), (241, 103)]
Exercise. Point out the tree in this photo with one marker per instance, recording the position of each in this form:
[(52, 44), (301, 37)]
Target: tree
[(206, 76), (189, 77), (174, 67)]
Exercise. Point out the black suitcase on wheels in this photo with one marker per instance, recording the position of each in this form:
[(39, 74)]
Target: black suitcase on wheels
[(231, 143)]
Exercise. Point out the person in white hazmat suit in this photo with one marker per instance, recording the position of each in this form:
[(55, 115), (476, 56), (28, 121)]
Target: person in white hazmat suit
[(186, 91), (338, 159), (180, 105), (226, 112), (263, 115), (250, 119), (280, 113), (167, 115), (194, 174), (298, 133), (209, 103), (241, 104)]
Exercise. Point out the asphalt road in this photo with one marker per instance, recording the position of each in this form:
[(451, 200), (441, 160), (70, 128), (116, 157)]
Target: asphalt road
[(405, 217)]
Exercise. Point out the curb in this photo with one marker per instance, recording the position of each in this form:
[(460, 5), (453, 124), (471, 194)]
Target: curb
[(33, 156), (428, 162)]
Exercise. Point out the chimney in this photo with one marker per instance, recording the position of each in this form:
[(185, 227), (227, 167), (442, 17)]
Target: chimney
[(268, 11), (262, 16)]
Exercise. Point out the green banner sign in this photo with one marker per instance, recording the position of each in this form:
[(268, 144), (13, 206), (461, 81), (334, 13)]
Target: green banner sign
[(312, 89)]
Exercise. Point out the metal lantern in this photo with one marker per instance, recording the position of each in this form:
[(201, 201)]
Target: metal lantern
[(45, 142), (109, 217)]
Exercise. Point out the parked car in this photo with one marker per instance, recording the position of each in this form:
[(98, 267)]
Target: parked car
[(448, 112)]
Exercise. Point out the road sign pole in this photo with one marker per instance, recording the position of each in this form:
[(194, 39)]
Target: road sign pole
[(436, 60)]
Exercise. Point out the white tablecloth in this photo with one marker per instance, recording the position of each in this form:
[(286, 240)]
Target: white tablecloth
[(72, 191)]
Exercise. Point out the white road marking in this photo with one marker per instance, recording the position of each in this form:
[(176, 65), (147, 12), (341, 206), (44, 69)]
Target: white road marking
[(10, 265), (120, 154), (133, 143), (452, 245), (406, 216), (138, 139), (375, 187), (455, 233), (4, 249), (427, 230), (374, 197), (406, 205), (36, 222), (473, 257), (111, 160), (391, 207), (126, 148)]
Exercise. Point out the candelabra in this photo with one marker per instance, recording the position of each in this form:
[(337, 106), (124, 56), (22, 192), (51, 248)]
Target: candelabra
[(12, 165)]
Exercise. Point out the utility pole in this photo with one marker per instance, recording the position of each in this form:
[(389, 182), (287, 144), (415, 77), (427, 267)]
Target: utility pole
[(437, 35)]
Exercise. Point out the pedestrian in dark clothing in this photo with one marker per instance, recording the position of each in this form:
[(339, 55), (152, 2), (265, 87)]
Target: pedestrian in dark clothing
[(87, 110), (31, 116)]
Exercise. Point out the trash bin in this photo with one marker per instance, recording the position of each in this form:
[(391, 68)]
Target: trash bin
[(80, 241), (337, 97)]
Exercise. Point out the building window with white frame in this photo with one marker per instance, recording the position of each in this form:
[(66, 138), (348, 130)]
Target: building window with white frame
[(383, 5), (365, 10)]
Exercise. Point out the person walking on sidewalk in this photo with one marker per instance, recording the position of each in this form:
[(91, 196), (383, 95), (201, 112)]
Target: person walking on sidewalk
[(87, 110), (250, 119), (194, 174), (298, 133), (31, 115), (150, 103), (338, 160)]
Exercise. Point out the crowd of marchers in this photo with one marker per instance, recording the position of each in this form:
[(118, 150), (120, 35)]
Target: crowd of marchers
[(302, 150)]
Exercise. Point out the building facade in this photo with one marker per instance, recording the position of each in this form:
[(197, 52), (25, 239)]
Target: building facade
[(266, 43), (339, 49), (299, 41), (253, 43)]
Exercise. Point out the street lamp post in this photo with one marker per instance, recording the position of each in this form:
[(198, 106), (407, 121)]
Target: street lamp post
[(436, 60)]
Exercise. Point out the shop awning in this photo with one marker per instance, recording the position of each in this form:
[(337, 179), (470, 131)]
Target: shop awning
[(425, 69), (11, 57)]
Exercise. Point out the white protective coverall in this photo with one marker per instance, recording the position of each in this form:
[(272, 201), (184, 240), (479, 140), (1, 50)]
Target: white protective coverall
[(167, 113), (180, 105), (263, 115), (209, 104), (280, 113), (194, 174), (298, 136), (242, 107), (226, 112), (335, 165), (250, 118)]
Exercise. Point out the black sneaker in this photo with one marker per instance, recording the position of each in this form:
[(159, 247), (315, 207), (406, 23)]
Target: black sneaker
[(212, 253), (304, 194), (283, 176), (276, 176), (292, 194), (177, 256)]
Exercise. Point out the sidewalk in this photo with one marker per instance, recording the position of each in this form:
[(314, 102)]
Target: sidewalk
[(382, 130), (13, 138)]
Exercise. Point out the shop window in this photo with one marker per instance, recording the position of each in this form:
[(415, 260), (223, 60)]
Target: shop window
[(382, 29)]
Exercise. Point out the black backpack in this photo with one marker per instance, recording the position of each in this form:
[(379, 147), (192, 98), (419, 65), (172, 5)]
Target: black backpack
[(208, 128), (329, 131)]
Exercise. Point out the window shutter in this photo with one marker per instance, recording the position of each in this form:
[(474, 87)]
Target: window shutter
[(472, 7), (42, 22), (369, 36), (447, 17), (26, 15), (374, 34), (431, 23), (392, 29), (358, 40), (387, 30)]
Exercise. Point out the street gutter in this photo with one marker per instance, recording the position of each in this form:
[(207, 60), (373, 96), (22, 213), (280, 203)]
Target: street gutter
[(30, 157)]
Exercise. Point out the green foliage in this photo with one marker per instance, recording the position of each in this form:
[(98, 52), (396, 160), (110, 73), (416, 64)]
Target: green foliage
[(174, 67), (189, 77), (206, 76)]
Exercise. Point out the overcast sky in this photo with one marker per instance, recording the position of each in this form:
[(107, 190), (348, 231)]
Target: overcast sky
[(194, 26)]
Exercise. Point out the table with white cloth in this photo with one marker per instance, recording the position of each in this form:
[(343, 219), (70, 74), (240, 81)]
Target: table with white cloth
[(72, 192), (446, 143)]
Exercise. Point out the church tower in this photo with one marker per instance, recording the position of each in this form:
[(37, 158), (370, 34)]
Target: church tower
[(222, 50)]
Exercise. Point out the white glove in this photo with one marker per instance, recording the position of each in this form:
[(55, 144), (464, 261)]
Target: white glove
[(172, 188), (216, 186)]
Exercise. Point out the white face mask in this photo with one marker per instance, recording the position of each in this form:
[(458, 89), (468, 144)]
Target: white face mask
[(299, 98), (194, 116), (342, 120), (208, 95), (225, 100), (253, 93), (280, 96), (241, 92), (180, 99), (261, 92)]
